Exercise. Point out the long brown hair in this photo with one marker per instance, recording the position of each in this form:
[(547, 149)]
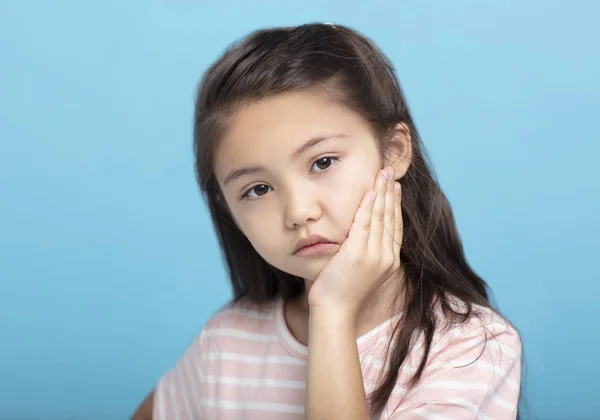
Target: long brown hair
[(350, 69)]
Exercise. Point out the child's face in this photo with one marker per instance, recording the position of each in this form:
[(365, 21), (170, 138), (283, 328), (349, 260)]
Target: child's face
[(285, 196)]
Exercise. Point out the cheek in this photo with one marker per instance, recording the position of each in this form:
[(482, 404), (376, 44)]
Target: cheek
[(261, 232), (344, 206), (346, 193)]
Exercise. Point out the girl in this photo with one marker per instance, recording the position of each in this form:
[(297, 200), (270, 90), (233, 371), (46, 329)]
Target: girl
[(353, 299)]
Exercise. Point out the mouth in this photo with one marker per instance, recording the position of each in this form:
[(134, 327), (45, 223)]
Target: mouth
[(312, 245)]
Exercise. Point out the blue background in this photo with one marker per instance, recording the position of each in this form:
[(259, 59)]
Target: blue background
[(108, 262)]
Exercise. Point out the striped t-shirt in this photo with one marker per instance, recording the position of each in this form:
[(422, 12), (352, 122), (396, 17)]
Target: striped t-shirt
[(245, 364)]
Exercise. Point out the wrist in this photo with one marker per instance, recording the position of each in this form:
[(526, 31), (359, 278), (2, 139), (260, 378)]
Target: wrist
[(335, 314), (332, 304)]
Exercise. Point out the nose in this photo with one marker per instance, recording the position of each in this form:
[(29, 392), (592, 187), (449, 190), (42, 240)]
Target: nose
[(301, 207)]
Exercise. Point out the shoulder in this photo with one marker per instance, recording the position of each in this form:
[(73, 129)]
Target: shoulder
[(241, 313), (235, 326), (233, 334), (239, 319), (473, 368), (485, 333)]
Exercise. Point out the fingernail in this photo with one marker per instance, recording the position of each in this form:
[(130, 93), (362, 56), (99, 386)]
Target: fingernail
[(397, 187), (390, 171)]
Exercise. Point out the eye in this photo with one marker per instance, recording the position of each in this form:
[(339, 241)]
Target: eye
[(322, 164), (257, 191)]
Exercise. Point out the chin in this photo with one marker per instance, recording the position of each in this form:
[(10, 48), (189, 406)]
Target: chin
[(309, 271)]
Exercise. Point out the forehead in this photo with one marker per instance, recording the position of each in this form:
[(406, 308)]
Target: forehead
[(274, 127)]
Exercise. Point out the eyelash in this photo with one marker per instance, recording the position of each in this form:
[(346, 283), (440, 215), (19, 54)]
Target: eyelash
[(333, 160)]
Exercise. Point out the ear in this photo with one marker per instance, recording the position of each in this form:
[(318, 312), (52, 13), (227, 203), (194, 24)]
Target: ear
[(398, 152)]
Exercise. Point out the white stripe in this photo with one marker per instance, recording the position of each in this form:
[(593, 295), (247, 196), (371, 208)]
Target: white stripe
[(250, 405), (248, 313), (160, 400), (513, 384), (455, 385), (231, 332), (483, 416), (479, 365), (503, 403), (416, 347), (467, 363), (274, 360), (192, 372), (183, 391), (429, 415), (172, 393), (503, 348), (373, 361), (461, 402), (253, 382)]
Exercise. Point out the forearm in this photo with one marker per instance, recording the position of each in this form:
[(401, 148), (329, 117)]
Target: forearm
[(335, 387)]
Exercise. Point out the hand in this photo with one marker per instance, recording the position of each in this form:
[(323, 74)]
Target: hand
[(370, 254)]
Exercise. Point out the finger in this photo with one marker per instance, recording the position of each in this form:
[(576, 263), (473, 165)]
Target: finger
[(378, 215), (389, 216), (359, 231), (399, 224)]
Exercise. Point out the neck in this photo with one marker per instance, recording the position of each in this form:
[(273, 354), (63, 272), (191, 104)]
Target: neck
[(380, 306)]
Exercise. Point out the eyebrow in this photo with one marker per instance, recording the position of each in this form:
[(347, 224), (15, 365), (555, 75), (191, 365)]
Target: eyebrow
[(237, 173)]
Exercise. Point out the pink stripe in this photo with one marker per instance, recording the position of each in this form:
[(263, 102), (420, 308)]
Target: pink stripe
[(243, 362)]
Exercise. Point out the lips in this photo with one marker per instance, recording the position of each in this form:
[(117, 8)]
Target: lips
[(311, 240)]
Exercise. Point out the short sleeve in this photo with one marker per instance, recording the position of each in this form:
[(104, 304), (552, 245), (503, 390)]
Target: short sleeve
[(177, 395), (474, 374)]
